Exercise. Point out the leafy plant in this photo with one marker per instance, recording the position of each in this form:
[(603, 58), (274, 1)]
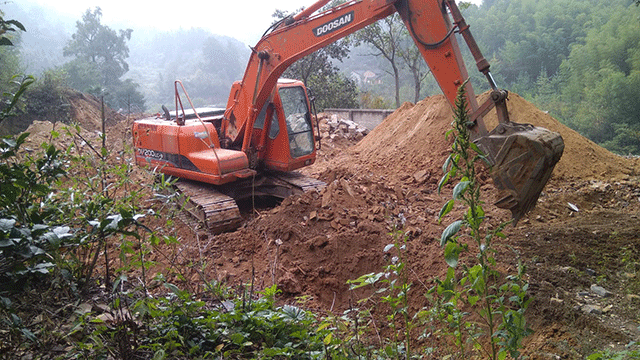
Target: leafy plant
[(495, 325), (392, 289), (28, 232), (181, 326), (630, 352)]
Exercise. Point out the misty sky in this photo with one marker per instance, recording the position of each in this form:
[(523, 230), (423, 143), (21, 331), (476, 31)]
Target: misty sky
[(245, 20)]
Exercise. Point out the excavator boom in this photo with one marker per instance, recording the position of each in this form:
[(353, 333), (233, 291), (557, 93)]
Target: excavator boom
[(523, 157)]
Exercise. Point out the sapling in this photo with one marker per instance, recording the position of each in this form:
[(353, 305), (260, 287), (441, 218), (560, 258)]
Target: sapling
[(480, 307)]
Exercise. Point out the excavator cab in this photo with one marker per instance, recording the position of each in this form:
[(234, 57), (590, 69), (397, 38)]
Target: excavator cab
[(288, 144)]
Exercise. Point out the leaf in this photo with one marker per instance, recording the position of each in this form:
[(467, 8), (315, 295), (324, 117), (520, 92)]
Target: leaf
[(10, 142), (6, 225), (174, 289), (29, 335), (16, 23), (502, 355), (450, 231), (447, 163), (5, 42), (446, 209), (460, 188), (161, 355), (451, 252), (475, 148), (443, 181), (327, 339), (6, 243)]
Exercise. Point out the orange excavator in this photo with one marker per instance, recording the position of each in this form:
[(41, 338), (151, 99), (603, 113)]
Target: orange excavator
[(266, 131)]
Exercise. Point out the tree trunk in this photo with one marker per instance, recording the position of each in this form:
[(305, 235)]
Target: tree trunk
[(396, 75), (416, 85)]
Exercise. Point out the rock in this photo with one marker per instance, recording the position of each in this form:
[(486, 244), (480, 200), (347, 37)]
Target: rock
[(600, 291), (318, 242), (591, 309), (347, 187), (326, 198), (420, 176), (633, 297), (556, 300)]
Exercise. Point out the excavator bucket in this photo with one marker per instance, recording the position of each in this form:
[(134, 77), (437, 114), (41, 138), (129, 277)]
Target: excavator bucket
[(523, 158)]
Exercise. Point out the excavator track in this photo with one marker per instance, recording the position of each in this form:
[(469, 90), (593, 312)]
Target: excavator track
[(215, 207), (214, 210)]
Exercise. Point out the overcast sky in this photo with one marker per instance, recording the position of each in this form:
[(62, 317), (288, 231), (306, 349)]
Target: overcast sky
[(245, 20)]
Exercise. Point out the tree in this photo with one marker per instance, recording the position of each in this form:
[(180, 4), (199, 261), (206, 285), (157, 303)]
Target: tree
[(334, 91), (385, 36), (8, 26), (100, 61), (602, 83), (413, 60), (101, 46)]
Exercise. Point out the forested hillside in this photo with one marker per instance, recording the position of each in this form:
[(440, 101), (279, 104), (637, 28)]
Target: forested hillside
[(207, 64), (580, 60), (577, 59)]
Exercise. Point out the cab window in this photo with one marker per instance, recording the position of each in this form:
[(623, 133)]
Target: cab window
[(298, 120)]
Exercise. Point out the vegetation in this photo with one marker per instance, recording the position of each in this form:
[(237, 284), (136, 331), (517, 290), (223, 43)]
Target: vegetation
[(385, 36), (577, 59), (499, 304), (100, 61)]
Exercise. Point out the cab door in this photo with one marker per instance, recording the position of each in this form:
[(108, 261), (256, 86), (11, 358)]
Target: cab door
[(289, 141)]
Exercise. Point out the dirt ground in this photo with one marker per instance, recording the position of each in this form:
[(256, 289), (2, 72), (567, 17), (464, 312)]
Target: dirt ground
[(583, 232)]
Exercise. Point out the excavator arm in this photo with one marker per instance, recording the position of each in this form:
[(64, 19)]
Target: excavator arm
[(298, 36), (522, 156)]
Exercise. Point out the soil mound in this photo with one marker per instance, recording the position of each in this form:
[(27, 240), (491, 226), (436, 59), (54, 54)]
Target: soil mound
[(413, 137), (86, 110)]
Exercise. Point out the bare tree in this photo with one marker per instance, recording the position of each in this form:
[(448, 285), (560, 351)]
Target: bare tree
[(413, 60), (385, 36)]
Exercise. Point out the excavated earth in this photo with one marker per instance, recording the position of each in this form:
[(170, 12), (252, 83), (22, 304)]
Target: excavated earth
[(584, 231)]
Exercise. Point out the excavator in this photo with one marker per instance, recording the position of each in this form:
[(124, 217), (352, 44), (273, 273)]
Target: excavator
[(253, 146)]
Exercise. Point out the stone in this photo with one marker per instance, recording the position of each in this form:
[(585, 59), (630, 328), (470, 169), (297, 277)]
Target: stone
[(592, 309), (600, 291)]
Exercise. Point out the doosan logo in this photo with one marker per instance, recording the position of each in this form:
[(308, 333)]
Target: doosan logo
[(334, 25)]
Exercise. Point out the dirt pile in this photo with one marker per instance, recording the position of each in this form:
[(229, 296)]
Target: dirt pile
[(413, 137), (310, 245), (388, 179), (86, 110)]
